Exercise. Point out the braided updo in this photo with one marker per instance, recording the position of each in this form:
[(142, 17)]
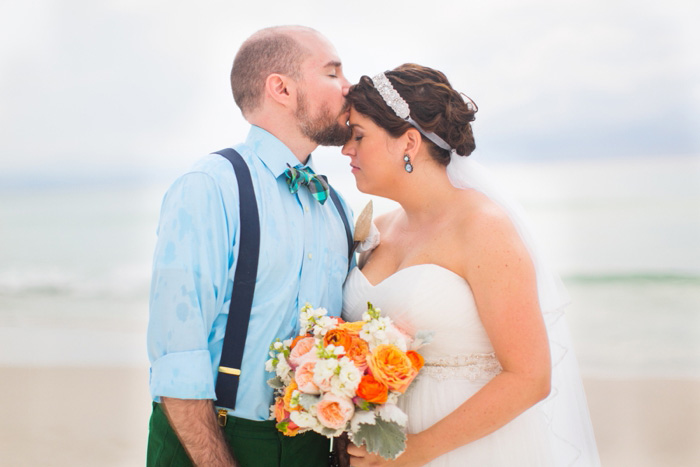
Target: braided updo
[(434, 105)]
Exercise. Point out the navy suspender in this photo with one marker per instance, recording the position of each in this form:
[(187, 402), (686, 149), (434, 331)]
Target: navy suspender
[(244, 279), (243, 284)]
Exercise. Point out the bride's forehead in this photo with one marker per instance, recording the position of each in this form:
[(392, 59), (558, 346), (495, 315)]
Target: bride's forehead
[(358, 119)]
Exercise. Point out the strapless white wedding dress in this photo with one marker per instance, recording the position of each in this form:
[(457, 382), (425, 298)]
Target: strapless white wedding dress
[(458, 362)]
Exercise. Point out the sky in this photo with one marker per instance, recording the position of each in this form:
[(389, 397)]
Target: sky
[(123, 87)]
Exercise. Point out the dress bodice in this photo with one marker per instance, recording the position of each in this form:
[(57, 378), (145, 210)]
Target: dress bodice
[(424, 297)]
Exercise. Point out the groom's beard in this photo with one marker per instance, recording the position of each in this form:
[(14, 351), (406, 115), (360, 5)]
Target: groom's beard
[(323, 130)]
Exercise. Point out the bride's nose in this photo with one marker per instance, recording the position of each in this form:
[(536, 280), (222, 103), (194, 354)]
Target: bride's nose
[(347, 149)]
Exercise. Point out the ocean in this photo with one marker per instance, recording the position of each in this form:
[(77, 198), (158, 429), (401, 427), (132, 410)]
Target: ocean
[(75, 262)]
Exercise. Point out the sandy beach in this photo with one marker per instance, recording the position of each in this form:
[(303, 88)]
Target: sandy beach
[(98, 417)]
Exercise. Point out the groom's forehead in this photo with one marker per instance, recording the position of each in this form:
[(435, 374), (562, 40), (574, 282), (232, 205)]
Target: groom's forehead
[(322, 54)]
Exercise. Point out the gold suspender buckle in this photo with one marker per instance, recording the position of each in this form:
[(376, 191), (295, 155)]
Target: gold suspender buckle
[(222, 417)]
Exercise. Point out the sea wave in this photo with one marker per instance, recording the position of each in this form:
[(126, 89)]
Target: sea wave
[(124, 282), (634, 277)]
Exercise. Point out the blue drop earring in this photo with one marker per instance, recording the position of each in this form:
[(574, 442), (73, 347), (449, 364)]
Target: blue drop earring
[(407, 166)]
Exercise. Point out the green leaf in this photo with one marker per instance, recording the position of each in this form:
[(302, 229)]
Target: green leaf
[(362, 404), (275, 382), (384, 438), (282, 426)]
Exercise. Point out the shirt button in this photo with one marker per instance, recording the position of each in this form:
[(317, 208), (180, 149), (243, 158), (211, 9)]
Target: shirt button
[(306, 209), (309, 255)]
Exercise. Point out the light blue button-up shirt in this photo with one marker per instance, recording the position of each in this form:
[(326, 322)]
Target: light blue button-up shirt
[(303, 259)]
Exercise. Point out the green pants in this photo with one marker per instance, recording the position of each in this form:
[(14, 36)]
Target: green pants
[(254, 444)]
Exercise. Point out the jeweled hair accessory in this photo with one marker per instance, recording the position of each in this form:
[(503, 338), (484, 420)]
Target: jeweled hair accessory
[(400, 107), (391, 96)]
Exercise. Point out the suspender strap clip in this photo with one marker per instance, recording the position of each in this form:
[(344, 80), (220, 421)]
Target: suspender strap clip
[(222, 417)]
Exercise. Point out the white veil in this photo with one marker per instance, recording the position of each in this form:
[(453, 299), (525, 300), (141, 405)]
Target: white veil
[(565, 409)]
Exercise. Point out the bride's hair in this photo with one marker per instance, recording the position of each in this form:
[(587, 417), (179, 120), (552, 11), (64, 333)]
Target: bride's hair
[(434, 105)]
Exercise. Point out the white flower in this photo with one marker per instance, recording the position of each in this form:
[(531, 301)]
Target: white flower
[(308, 316), (348, 378), (381, 331), (323, 325), (305, 420), (270, 366), (284, 371), (323, 372)]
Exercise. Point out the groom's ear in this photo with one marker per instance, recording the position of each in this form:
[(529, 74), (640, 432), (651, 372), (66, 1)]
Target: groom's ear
[(280, 89)]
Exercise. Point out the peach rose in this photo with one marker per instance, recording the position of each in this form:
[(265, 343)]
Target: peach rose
[(304, 377), (296, 340), (357, 352), (334, 411), (416, 359), (303, 350), (338, 338), (372, 390), (389, 365)]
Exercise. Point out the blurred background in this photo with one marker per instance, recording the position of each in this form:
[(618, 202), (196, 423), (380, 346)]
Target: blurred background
[(588, 110)]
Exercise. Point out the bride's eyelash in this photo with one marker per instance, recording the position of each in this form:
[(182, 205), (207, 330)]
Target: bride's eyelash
[(358, 138)]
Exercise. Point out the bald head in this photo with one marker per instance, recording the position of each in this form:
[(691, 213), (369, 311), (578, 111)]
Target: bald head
[(279, 49)]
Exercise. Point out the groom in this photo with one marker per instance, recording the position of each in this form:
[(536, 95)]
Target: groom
[(289, 85)]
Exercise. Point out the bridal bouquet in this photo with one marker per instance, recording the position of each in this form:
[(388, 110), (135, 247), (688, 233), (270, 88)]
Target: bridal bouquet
[(341, 376)]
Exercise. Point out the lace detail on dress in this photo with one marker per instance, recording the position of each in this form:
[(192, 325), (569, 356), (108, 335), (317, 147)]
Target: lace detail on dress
[(474, 367)]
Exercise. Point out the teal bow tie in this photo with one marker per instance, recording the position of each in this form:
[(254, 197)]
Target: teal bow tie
[(317, 184)]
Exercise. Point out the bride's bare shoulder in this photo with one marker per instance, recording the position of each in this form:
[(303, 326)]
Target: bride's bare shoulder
[(484, 221)]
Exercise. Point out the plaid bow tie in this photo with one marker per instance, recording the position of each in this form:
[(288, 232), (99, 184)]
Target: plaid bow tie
[(317, 184)]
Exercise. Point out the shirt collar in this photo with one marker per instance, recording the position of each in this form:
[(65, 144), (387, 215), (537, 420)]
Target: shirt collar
[(271, 151)]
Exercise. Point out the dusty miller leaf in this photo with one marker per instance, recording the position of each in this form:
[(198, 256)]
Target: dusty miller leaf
[(275, 382), (384, 438), (307, 400)]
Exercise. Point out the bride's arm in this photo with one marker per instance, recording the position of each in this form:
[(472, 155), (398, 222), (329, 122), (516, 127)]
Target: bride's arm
[(502, 278)]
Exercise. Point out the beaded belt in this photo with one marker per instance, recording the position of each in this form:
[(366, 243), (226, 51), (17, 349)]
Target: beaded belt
[(474, 367)]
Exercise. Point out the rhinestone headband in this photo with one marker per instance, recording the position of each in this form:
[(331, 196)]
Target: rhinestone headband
[(400, 107)]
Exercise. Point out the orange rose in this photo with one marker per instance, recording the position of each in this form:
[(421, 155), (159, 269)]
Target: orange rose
[(338, 338), (284, 424), (416, 359), (352, 327), (288, 396), (358, 353), (280, 413), (372, 390), (389, 365), (302, 351)]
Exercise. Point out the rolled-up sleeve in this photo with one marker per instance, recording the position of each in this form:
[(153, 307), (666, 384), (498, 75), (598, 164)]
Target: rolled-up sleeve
[(190, 274)]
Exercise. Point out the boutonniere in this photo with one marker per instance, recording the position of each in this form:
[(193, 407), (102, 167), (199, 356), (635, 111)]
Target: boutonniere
[(366, 235)]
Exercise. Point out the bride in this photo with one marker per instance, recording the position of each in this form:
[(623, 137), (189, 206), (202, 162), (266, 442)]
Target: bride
[(500, 386)]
